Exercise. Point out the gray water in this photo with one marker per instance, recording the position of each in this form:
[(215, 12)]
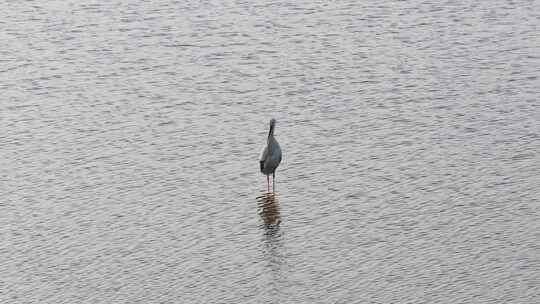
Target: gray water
[(131, 132)]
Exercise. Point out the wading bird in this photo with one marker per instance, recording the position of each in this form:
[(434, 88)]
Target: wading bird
[(270, 157)]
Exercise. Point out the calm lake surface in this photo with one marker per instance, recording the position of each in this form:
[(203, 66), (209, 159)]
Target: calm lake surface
[(131, 133)]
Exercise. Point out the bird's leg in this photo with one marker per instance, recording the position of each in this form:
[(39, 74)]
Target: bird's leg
[(268, 182), (274, 182)]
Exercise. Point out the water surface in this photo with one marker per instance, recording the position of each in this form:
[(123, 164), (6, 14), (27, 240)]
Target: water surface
[(131, 131)]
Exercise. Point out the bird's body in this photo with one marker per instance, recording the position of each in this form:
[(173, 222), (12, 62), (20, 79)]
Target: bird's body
[(270, 156)]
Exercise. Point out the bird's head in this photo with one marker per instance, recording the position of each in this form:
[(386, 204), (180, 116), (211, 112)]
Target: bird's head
[(272, 125)]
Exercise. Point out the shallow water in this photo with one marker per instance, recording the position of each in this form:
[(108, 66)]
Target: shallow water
[(131, 131)]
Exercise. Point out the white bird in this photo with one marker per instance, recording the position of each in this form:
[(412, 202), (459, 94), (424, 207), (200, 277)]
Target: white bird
[(270, 156)]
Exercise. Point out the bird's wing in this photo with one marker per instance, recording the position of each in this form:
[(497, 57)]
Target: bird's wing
[(278, 151), (263, 157), (264, 154)]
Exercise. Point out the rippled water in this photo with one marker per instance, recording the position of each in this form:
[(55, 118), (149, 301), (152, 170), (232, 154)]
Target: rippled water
[(131, 131)]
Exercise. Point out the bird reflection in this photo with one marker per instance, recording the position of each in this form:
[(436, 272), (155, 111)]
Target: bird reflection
[(269, 211), (272, 241)]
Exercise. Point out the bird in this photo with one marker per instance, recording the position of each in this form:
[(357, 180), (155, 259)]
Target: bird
[(270, 156)]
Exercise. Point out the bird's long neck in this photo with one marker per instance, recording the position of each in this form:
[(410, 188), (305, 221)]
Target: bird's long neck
[(271, 132)]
